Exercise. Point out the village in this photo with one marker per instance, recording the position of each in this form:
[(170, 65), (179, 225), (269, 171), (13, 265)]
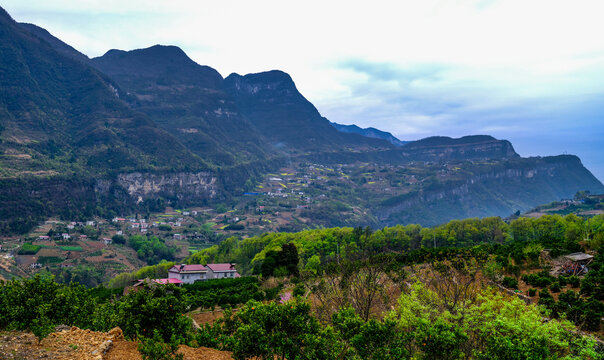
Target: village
[(296, 198)]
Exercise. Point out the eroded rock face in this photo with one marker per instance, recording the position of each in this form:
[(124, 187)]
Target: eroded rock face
[(146, 185)]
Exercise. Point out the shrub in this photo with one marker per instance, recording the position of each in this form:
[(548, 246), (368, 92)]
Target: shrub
[(299, 290), (562, 280), (555, 287), (156, 349), (510, 282), (574, 281), (532, 292)]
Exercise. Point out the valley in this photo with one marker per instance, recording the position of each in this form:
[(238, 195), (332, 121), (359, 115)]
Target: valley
[(167, 212)]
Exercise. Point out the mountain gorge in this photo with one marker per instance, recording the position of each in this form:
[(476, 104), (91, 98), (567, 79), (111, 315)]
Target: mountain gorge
[(138, 130)]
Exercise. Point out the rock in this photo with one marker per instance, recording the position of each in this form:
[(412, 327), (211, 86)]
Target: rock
[(117, 333)]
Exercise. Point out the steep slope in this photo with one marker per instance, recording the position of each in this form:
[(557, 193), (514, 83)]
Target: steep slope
[(186, 99), (58, 45), (63, 127), (60, 115), (272, 103), (369, 132)]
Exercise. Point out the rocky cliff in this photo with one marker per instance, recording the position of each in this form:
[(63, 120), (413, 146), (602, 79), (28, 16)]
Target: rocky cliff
[(498, 189), (440, 148)]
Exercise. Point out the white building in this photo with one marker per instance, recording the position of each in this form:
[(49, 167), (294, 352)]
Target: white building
[(220, 271), (188, 274)]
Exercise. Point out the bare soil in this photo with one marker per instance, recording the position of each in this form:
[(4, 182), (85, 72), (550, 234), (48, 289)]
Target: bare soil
[(77, 344)]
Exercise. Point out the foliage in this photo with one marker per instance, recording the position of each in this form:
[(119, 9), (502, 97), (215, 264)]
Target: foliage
[(510, 282), (154, 348), (225, 292), (151, 249)]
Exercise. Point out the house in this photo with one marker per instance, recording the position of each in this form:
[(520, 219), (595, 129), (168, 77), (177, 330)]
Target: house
[(178, 237), (107, 241), (220, 271), (43, 237), (89, 223), (188, 274), (71, 226), (576, 264), (83, 237), (136, 225), (65, 236)]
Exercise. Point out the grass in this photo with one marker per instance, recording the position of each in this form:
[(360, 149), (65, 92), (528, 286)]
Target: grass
[(29, 249), (71, 248)]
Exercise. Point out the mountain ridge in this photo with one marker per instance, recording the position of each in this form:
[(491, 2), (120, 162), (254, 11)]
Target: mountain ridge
[(150, 127), (369, 132)]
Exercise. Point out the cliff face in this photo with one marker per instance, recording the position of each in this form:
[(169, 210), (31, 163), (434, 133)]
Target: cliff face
[(466, 148), (198, 186), (512, 185)]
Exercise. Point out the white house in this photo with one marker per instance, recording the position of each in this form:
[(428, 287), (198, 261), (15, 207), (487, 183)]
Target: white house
[(188, 274), (220, 271)]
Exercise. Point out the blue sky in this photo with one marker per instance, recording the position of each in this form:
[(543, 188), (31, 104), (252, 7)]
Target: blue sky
[(528, 71)]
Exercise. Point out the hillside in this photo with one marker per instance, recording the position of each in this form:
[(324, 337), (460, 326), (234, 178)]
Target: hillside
[(186, 99), (273, 104), (60, 116)]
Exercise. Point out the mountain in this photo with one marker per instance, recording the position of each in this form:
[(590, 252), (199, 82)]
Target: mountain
[(63, 129), (442, 148), (369, 132), (59, 115), (136, 131), (273, 104), (490, 188), (186, 99)]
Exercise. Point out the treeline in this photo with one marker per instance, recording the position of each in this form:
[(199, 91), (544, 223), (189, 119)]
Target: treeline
[(320, 246), (39, 304), (419, 327)]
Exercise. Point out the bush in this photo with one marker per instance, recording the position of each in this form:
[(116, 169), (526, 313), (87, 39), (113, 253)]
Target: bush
[(118, 239), (562, 280), (164, 227), (299, 290), (156, 349), (510, 282), (532, 292), (555, 287), (574, 281)]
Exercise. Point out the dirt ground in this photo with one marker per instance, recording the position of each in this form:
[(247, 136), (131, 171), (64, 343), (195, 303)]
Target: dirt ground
[(77, 344)]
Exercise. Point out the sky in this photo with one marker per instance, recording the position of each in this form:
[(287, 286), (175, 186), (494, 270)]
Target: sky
[(531, 72)]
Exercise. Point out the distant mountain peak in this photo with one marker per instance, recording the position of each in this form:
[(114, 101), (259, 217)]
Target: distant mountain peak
[(369, 132), (168, 62), (273, 80)]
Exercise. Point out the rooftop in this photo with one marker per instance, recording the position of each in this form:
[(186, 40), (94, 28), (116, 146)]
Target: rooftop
[(579, 256)]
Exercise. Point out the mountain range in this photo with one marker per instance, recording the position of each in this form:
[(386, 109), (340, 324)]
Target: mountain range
[(137, 130)]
